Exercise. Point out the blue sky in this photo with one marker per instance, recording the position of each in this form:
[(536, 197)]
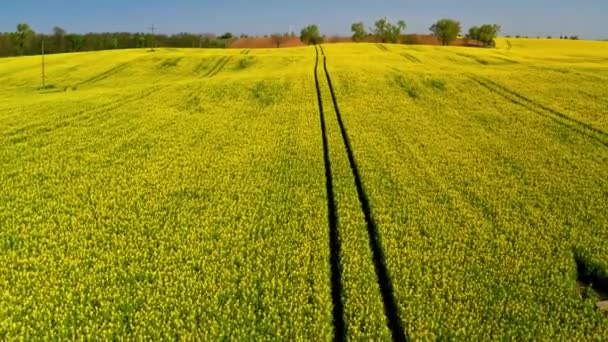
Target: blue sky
[(587, 18)]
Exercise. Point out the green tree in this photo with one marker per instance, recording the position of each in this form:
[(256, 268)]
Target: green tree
[(59, 39), (446, 30), (141, 41), (227, 36), (485, 34), (387, 32), (473, 33), (24, 35), (75, 42), (359, 32), (311, 35)]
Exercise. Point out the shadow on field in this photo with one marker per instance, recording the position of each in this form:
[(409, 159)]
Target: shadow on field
[(591, 281)]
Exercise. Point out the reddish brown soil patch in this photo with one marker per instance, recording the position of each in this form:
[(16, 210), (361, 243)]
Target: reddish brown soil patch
[(264, 43), (413, 39), (426, 39)]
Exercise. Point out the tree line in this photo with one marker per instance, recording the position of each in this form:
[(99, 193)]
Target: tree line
[(384, 31), (25, 41)]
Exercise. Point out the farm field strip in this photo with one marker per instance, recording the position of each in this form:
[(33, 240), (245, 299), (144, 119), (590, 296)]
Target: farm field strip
[(384, 280), (179, 239), (572, 120), (382, 276), (334, 238), (578, 126), (467, 186), (360, 298), (63, 119)]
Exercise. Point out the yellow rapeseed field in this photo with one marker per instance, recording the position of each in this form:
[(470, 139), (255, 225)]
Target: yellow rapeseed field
[(238, 194)]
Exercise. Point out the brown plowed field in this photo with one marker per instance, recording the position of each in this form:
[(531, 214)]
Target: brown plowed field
[(414, 39), (261, 43)]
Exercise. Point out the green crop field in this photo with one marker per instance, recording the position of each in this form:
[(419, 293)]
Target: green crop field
[(365, 191)]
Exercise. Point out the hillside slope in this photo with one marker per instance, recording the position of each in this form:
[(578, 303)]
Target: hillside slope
[(233, 194)]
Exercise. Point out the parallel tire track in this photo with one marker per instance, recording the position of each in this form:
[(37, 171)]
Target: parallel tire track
[(114, 70), (90, 114), (215, 66), (221, 67), (334, 237), (384, 280), (381, 47), (201, 66), (542, 110), (411, 58)]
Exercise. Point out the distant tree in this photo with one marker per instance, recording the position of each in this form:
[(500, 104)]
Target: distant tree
[(574, 37), (311, 35), (24, 35), (485, 34), (401, 25), (75, 42), (359, 32), (7, 44), (446, 30), (279, 38), (474, 33), (9, 41), (388, 32), (59, 39), (227, 36)]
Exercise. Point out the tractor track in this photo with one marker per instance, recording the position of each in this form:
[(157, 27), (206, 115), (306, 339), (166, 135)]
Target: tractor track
[(216, 67), (384, 281), (381, 47), (220, 67), (334, 237), (82, 116), (110, 72), (201, 66), (410, 57), (99, 77), (542, 110)]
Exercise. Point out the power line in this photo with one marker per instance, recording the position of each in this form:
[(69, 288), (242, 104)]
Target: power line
[(152, 29), (43, 66)]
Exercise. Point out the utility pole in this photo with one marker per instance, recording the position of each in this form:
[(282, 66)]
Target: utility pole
[(43, 66), (152, 29)]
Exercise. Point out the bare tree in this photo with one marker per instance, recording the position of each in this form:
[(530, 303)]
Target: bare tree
[(278, 39)]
